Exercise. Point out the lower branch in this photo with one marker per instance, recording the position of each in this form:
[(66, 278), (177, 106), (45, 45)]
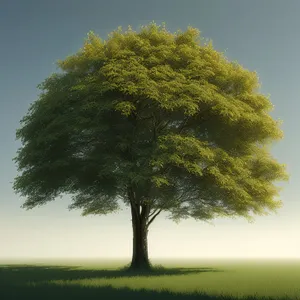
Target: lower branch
[(152, 219), (153, 213)]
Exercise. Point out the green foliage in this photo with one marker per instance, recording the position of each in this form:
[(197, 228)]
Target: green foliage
[(160, 113)]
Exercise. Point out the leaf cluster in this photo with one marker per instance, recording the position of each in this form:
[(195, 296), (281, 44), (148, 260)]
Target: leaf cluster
[(161, 113)]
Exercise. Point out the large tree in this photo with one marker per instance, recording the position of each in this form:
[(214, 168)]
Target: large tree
[(161, 121)]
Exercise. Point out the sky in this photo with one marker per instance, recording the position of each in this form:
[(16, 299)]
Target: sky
[(263, 36)]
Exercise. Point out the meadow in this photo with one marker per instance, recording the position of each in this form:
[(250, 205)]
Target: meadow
[(209, 279)]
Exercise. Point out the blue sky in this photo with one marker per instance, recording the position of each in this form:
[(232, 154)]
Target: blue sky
[(263, 36)]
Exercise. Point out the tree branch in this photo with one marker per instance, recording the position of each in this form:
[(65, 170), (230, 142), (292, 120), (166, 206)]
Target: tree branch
[(150, 215), (145, 210), (164, 126), (183, 125), (147, 225), (133, 204), (147, 118)]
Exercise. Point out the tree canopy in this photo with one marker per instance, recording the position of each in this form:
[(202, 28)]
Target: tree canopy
[(162, 121)]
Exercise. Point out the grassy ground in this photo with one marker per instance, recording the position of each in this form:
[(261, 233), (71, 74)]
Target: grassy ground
[(206, 279)]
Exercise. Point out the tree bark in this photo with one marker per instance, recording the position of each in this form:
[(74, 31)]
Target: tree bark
[(141, 219), (140, 259)]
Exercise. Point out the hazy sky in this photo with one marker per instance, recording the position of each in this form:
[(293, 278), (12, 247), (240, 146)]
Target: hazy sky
[(261, 35)]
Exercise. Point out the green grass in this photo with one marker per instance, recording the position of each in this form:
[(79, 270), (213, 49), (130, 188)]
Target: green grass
[(206, 279)]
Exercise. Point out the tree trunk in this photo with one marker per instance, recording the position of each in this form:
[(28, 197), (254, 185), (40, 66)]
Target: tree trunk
[(140, 259)]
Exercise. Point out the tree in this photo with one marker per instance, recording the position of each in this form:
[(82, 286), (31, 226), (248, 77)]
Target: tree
[(161, 121)]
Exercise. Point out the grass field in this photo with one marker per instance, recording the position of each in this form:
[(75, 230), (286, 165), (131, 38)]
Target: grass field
[(181, 279)]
